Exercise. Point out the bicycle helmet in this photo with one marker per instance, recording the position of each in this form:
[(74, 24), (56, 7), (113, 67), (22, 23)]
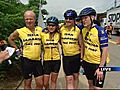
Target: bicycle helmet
[(53, 20), (70, 13), (87, 12)]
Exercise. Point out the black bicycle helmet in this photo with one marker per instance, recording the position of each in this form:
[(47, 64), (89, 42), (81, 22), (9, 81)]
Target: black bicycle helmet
[(70, 13), (87, 11), (53, 20)]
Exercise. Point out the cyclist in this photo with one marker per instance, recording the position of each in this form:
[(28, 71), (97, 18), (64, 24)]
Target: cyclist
[(51, 61), (95, 41), (31, 45), (71, 46), (109, 30)]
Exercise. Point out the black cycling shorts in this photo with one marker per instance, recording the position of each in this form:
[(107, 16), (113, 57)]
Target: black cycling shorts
[(31, 67), (51, 66), (71, 64), (90, 69)]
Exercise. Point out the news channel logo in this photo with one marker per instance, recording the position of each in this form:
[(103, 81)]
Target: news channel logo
[(109, 69)]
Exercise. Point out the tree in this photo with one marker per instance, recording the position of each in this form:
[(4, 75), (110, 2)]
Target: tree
[(34, 5), (44, 12), (11, 18), (11, 14)]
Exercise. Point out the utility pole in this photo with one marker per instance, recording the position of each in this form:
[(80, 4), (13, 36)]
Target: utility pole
[(115, 3), (40, 17)]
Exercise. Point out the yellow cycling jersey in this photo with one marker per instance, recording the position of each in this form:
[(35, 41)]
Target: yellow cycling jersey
[(69, 40), (31, 42), (51, 48), (93, 41)]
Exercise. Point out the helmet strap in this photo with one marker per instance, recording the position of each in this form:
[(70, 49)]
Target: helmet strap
[(74, 25), (91, 22)]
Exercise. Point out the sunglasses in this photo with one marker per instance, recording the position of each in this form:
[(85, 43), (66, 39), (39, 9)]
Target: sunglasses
[(70, 18)]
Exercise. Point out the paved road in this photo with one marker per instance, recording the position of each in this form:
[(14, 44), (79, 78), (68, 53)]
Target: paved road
[(112, 79)]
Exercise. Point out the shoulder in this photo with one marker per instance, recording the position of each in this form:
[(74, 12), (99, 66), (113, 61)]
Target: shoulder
[(18, 31), (62, 28), (80, 26), (77, 29), (99, 27), (39, 28), (21, 29), (44, 30), (101, 30), (60, 25)]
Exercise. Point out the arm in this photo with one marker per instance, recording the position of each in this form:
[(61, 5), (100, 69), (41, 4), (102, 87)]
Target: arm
[(12, 37), (103, 39), (60, 44), (104, 56), (102, 62), (81, 45)]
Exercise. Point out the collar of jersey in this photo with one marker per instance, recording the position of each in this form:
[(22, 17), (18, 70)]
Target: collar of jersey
[(93, 26), (29, 29), (72, 29)]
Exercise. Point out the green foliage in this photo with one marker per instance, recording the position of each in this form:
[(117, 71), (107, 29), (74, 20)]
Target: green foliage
[(34, 5), (11, 18), (61, 21), (37, 2), (43, 2), (11, 14), (44, 12)]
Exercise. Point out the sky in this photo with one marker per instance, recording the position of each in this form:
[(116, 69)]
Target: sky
[(58, 7)]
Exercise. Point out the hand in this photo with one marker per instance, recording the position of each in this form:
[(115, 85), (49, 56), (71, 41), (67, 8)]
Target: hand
[(4, 55), (99, 74)]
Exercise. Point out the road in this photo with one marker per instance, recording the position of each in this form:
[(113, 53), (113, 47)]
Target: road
[(112, 78)]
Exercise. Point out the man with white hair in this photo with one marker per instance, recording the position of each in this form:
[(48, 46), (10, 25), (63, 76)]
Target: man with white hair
[(31, 50)]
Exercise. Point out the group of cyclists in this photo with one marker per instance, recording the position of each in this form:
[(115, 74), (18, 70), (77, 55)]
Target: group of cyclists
[(83, 44)]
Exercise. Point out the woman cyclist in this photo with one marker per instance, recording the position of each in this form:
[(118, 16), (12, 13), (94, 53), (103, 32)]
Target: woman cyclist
[(51, 63), (71, 47), (95, 41)]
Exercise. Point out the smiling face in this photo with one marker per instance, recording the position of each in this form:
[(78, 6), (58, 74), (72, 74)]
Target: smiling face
[(69, 21), (87, 20), (51, 27), (29, 17)]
